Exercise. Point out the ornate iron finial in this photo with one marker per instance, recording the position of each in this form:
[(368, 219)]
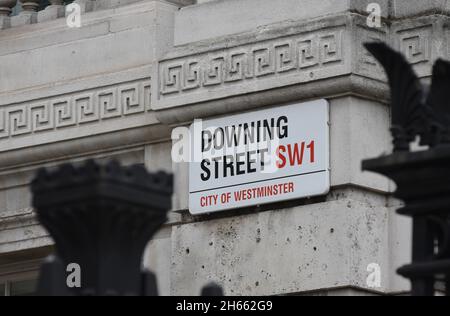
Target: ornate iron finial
[(421, 177), (101, 217), (415, 112)]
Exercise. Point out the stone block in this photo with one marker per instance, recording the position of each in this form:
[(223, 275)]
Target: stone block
[(23, 18), (320, 246), (64, 54), (5, 22), (276, 65), (220, 18), (51, 12), (359, 129), (157, 258), (413, 8)]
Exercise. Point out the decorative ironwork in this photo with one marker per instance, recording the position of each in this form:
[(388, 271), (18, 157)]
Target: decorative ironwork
[(101, 218), (422, 177), (417, 110)]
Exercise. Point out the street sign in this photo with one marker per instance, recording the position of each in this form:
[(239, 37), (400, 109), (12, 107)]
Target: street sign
[(259, 157)]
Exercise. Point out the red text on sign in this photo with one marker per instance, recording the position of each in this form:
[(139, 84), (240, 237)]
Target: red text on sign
[(294, 154)]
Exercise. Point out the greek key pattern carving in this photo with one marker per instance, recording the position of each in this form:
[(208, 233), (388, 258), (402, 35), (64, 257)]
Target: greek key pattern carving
[(78, 109), (366, 64), (302, 52), (416, 44)]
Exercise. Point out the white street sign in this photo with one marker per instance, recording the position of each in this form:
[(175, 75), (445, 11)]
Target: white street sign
[(260, 157)]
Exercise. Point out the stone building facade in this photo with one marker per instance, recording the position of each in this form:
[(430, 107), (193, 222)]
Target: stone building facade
[(116, 86)]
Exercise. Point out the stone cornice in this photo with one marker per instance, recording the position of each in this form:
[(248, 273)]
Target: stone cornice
[(318, 58), (72, 118), (296, 60), (17, 218)]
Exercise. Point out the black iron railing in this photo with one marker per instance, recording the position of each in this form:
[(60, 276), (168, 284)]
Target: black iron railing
[(422, 177)]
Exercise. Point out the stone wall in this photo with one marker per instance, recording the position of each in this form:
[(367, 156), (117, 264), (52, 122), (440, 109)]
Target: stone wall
[(116, 87)]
